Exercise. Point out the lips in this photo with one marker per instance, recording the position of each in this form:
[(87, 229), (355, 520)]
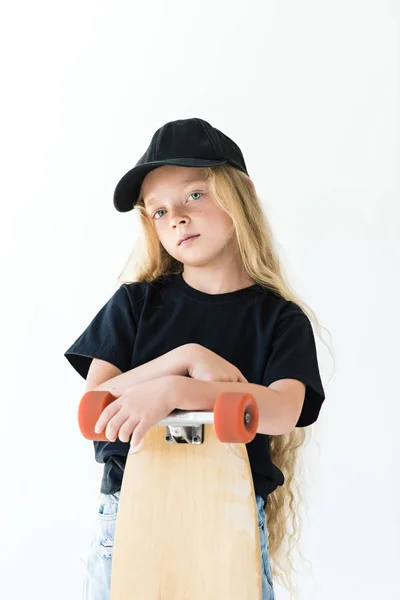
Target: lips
[(187, 238)]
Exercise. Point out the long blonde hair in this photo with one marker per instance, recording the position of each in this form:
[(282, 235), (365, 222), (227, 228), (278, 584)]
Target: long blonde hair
[(235, 194)]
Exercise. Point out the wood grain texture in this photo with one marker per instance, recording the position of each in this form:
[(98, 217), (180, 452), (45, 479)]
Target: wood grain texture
[(187, 526)]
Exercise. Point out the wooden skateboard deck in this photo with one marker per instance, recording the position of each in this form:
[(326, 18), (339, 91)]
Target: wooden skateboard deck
[(187, 526)]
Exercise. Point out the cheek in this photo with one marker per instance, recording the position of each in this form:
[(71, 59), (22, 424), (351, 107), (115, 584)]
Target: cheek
[(165, 235), (221, 221)]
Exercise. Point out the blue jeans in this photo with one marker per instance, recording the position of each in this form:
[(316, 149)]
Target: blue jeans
[(98, 570)]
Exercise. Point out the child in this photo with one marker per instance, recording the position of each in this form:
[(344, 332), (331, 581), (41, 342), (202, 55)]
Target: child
[(201, 316)]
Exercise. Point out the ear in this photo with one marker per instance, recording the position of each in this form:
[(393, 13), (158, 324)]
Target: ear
[(252, 185)]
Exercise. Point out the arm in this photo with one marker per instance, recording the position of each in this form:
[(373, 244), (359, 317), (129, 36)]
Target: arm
[(278, 410), (175, 362)]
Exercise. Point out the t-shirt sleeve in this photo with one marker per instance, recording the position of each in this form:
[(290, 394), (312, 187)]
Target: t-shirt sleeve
[(110, 336), (294, 356)]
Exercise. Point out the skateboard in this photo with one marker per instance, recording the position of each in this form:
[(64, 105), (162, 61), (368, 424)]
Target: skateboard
[(187, 526)]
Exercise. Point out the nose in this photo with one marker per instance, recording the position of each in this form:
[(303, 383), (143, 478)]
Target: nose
[(177, 218)]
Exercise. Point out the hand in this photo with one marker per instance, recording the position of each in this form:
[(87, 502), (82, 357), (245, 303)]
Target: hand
[(137, 409), (206, 365)]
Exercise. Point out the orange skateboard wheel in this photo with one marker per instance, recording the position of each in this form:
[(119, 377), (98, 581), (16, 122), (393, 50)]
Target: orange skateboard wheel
[(90, 408), (235, 417)]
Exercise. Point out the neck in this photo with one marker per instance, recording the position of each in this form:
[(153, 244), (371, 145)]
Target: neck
[(210, 281)]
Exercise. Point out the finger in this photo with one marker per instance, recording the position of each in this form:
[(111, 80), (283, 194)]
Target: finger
[(114, 425), (106, 415), (126, 429), (139, 433)]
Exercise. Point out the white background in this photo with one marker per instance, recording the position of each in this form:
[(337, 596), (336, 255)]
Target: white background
[(310, 92)]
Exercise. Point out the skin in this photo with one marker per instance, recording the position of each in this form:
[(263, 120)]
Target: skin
[(212, 262)]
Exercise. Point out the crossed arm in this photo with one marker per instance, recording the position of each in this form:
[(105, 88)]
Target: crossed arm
[(279, 404)]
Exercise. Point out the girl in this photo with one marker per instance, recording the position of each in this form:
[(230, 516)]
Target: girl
[(206, 310)]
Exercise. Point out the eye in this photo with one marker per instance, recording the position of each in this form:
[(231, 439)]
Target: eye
[(193, 193), (156, 213), (161, 209)]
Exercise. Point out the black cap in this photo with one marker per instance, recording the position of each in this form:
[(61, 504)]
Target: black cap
[(187, 143)]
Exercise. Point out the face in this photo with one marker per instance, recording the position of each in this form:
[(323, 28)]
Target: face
[(179, 202)]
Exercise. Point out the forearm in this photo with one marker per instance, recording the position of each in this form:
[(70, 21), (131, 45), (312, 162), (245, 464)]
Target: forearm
[(274, 414), (174, 362)]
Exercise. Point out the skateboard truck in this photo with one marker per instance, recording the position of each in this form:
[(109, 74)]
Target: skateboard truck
[(183, 427), (188, 427), (235, 419), (184, 435)]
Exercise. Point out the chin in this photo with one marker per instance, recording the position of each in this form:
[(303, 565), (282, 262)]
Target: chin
[(199, 261), (196, 259)]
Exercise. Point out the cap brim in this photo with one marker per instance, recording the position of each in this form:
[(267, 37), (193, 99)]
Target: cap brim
[(127, 190)]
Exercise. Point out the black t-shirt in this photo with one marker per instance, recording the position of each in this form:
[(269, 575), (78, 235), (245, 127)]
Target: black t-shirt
[(265, 336)]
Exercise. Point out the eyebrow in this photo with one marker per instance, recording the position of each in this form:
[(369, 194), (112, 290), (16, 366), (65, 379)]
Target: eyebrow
[(185, 182)]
